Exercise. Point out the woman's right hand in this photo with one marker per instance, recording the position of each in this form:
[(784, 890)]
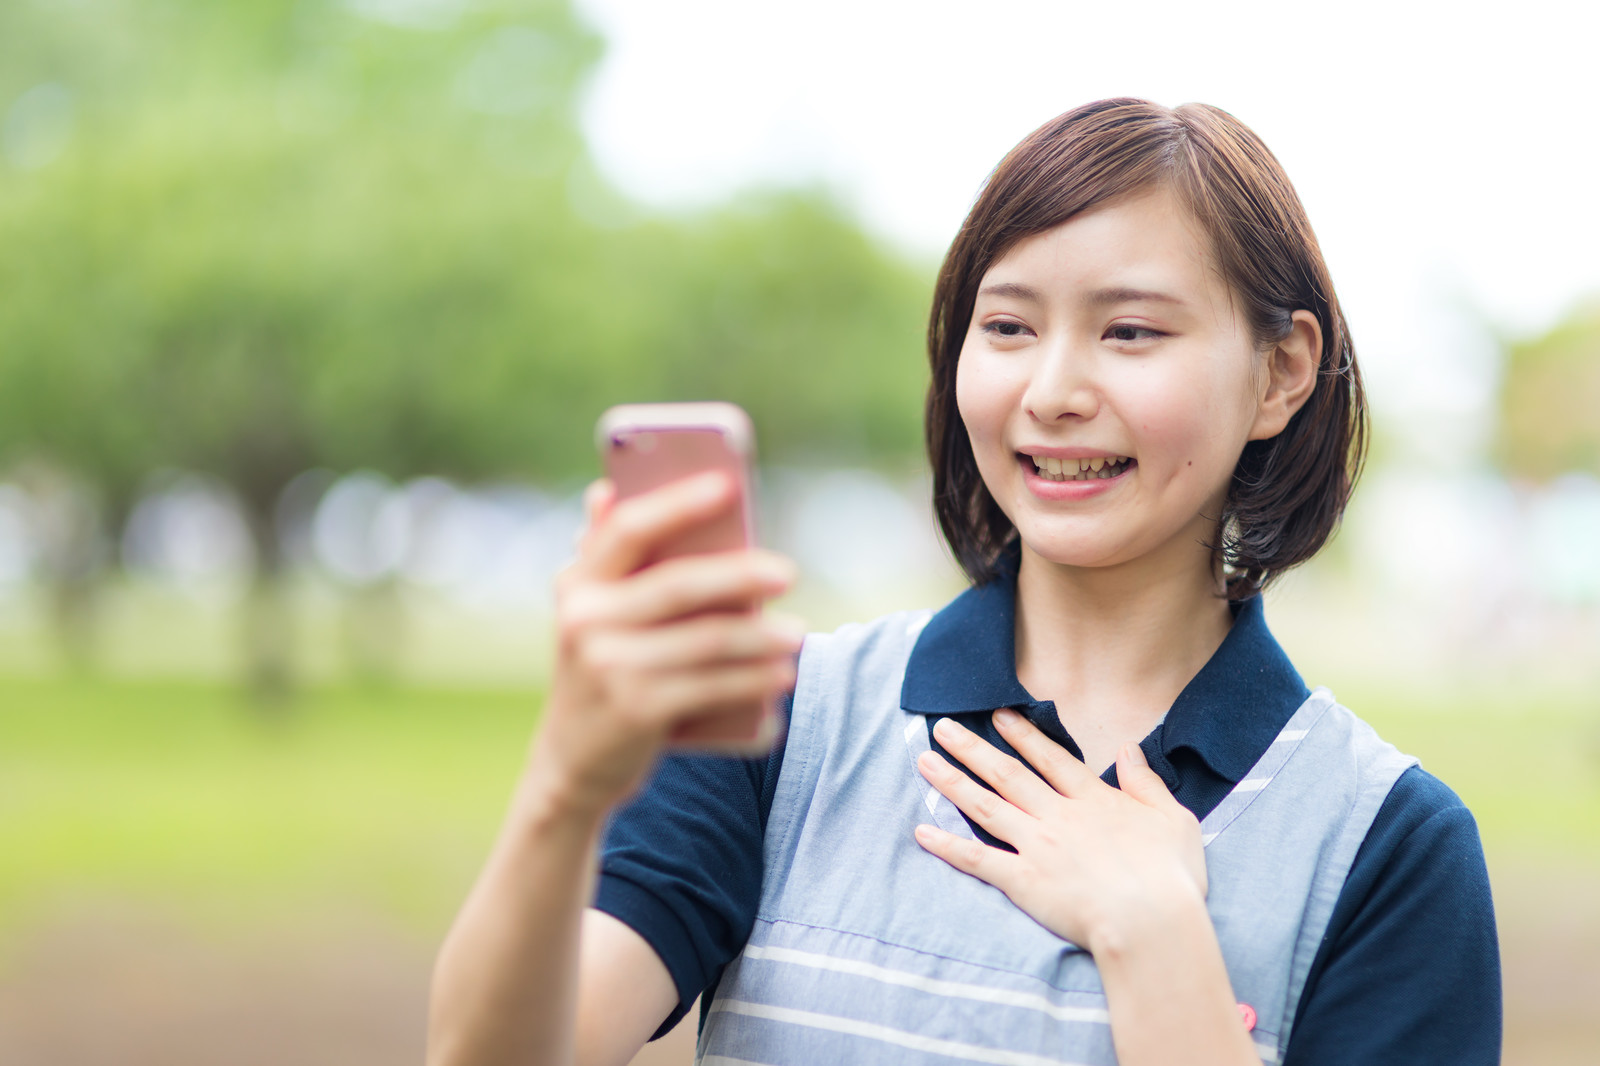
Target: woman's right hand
[(644, 651)]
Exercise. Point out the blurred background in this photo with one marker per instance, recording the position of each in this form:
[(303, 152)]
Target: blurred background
[(307, 308)]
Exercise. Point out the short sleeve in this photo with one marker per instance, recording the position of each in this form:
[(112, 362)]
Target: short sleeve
[(1409, 969), (681, 863)]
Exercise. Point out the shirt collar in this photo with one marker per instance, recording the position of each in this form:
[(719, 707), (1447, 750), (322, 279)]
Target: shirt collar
[(965, 660)]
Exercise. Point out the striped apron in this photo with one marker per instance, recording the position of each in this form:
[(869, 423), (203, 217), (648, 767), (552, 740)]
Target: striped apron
[(867, 949)]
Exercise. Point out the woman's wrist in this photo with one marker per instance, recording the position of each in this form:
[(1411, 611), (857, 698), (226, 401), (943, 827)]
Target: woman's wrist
[(1136, 927), (577, 770), (1167, 987), (549, 800)]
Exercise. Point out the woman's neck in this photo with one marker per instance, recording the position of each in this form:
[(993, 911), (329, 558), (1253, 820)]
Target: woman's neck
[(1114, 646)]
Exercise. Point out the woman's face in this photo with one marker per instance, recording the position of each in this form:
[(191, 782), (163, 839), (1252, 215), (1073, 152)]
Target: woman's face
[(1111, 347)]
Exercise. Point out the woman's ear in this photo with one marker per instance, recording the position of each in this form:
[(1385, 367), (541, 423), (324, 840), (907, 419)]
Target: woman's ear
[(1291, 374)]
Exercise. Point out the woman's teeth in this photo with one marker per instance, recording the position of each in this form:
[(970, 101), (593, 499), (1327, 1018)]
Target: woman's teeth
[(1102, 466)]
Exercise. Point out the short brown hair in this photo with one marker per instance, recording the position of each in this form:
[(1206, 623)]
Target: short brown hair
[(1288, 492)]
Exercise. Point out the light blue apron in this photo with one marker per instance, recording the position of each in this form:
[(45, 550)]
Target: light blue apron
[(867, 949)]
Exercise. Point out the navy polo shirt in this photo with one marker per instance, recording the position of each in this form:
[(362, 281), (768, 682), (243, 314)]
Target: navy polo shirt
[(1408, 970)]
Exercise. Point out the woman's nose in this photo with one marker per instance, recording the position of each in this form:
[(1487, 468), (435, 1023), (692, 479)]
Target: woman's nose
[(1062, 386)]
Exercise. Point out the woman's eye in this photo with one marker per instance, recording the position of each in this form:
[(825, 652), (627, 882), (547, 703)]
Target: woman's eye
[(1129, 334), (1005, 328)]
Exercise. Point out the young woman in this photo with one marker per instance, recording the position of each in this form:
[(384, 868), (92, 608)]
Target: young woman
[(1086, 813)]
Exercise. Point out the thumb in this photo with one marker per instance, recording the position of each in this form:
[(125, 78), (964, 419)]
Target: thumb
[(1137, 779)]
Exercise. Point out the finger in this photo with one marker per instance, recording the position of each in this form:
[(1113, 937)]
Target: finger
[(1009, 776), (1136, 778), (599, 498), (969, 856), (719, 690), (751, 726), (1065, 771), (693, 584), (992, 812), (707, 640), (637, 527)]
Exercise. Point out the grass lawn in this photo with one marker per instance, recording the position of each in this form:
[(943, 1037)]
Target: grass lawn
[(385, 801), (182, 795)]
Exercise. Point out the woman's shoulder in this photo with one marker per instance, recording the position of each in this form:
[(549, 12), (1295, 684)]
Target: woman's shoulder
[(1423, 839), (1416, 795), (1420, 817), (1416, 798)]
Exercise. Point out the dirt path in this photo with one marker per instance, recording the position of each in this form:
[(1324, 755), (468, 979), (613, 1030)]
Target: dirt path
[(123, 989), (120, 988), (1550, 952)]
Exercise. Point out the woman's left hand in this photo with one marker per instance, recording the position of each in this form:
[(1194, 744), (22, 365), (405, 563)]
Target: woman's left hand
[(1094, 864)]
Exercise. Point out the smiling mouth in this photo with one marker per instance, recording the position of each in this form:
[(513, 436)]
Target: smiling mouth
[(1098, 468)]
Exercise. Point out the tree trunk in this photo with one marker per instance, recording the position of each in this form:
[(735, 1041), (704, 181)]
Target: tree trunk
[(72, 534), (268, 629)]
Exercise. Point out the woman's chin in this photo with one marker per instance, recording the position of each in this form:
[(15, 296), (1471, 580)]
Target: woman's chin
[(1085, 546), (1074, 553)]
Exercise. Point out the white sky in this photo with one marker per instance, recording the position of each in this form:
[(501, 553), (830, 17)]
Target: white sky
[(1448, 154)]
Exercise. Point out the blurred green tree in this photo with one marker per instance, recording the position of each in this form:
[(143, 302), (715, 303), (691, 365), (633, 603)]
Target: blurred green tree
[(1548, 403), (253, 238)]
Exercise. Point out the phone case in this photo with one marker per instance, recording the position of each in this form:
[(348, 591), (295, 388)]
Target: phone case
[(648, 445)]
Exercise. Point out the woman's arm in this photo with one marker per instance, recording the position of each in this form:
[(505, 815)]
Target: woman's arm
[(1409, 967), (525, 976), (1119, 871)]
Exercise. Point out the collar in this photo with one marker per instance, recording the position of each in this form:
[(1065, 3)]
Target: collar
[(965, 660)]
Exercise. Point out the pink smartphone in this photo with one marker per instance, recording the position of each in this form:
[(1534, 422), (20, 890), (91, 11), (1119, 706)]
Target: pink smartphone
[(647, 445)]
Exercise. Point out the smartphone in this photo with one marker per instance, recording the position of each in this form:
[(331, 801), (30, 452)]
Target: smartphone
[(644, 446), (647, 445)]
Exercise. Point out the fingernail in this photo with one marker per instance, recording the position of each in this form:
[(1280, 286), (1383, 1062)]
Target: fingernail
[(711, 485), (1134, 754), (1006, 716), (786, 628), (776, 570), (945, 727)]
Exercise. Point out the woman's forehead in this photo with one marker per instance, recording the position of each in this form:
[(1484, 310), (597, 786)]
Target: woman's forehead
[(1145, 244)]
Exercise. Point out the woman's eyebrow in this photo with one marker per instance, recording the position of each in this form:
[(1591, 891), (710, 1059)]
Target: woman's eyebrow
[(1103, 297), (1096, 298), (1015, 290)]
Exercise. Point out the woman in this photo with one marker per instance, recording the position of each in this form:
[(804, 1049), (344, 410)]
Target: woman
[(1144, 407)]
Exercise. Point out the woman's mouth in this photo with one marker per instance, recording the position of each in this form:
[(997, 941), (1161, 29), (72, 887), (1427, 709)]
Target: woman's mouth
[(1097, 468)]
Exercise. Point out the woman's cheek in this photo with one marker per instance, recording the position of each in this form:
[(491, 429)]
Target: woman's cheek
[(982, 400), (1183, 410)]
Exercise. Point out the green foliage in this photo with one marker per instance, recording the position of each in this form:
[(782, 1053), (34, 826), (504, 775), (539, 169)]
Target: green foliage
[(282, 234), (1550, 400), (783, 305)]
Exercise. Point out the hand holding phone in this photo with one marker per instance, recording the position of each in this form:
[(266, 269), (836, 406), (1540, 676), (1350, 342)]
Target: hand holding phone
[(648, 446)]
